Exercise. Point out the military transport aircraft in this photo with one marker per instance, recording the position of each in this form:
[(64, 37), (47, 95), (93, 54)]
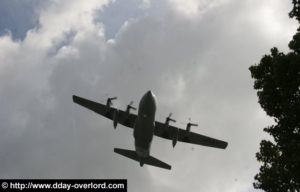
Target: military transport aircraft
[(144, 127)]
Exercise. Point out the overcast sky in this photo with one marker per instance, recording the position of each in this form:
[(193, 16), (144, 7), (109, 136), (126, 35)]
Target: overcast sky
[(194, 55)]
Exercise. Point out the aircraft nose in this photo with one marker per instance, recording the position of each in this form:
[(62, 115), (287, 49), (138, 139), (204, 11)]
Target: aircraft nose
[(149, 93), (148, 103), (149, 96)]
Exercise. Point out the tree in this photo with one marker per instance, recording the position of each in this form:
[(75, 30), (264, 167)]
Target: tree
[(277, 81), (296, 10)]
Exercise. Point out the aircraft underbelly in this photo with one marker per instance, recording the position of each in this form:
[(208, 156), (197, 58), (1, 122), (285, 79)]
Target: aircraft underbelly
[(143, 137), (144, 125)]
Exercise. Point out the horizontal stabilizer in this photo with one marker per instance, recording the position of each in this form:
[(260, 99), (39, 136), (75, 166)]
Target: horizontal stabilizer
[(149, 160)]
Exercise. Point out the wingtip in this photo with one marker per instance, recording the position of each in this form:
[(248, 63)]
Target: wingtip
[(225, 145), (74, 98)]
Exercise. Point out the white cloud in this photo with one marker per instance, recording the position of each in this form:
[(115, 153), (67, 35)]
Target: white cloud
[(194, 8), (197, 67), (145, 4)]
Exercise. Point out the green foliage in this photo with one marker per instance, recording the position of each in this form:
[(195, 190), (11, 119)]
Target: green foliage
[(277, 81), (296, 10)]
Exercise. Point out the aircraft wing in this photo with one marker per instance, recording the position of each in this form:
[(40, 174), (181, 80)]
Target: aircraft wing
[(171, 132), (124, 118)]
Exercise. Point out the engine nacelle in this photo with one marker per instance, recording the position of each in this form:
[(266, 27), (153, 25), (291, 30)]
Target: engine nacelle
[(116, 118), (175, 138), (109, 103), (189, 125), (129, 107), (168, 119)]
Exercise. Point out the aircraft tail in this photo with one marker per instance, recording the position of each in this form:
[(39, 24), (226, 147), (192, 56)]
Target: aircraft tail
[(149, 161)]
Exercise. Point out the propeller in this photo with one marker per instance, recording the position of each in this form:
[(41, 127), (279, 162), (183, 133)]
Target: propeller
[(189, 125), (168, 119), (190, 121), (109, 101), (131, 102), (129, 106), (184, 123), (170, 115)]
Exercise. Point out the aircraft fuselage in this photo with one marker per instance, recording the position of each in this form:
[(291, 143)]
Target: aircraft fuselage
[(144, 125)]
